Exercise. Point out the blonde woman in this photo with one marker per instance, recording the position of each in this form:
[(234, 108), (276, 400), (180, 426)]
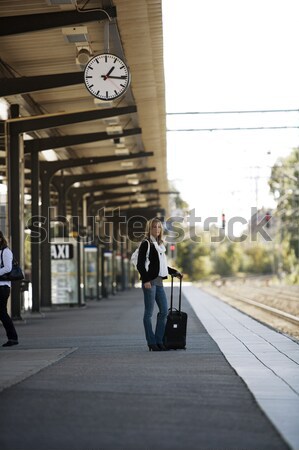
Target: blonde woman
[(152, 283)]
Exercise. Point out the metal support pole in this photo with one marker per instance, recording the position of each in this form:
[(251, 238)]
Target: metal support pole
[(75, 200), (35, 233), (15, 156), (99, 271), (123, 274), (114, 251), (46, 243), (104, 287), (63, 229), (80, 268)]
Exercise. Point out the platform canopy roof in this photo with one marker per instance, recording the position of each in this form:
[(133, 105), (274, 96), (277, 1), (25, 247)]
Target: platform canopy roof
[(42, 46)]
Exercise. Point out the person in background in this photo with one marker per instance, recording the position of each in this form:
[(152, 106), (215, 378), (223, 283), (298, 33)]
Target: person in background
[(7, 257), (152, 283)]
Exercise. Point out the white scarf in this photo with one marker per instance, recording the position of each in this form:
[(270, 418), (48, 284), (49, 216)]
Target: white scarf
[(163, 272)]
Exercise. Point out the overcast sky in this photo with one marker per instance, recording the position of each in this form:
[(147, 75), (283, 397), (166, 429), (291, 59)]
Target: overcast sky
[(229, 56)]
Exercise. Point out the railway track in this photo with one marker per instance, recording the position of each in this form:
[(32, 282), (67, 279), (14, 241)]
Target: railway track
[(275, 311), (273, 305)]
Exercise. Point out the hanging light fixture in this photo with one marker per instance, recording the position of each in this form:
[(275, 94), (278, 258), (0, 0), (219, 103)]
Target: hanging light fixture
[(84, 54)]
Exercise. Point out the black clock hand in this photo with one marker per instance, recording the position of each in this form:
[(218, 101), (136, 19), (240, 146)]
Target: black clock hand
[(123, 77), (107, 76)]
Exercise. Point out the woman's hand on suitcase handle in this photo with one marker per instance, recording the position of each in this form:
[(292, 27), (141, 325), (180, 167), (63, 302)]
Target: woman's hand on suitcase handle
[(178, 275)]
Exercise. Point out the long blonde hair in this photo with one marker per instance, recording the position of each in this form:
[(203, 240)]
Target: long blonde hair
[(149, 226)]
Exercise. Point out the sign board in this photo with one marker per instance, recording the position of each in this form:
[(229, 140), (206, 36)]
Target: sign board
[(62, 251), (91, 265), (64, 271)]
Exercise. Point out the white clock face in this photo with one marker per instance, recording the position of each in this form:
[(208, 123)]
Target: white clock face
[(106, 76)]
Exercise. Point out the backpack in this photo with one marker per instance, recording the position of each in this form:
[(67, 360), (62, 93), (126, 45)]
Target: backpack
[(134, 257)]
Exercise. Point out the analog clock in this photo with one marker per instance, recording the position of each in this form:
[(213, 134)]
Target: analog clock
[(106, 76)]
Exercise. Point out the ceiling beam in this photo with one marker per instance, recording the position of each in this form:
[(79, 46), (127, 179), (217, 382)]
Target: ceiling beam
[(48, 168), (143, 213), (38, 145), (22, 85), (114, 195), (27, 103), (117, 204), (26, 124), (71, 179), (79, 191), (35, 22)]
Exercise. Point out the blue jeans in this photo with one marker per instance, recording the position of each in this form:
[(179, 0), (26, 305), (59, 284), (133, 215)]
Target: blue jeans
[(155, 293)]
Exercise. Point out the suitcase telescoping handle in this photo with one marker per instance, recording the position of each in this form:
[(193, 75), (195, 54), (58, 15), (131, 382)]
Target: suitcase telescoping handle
[(171, 294)]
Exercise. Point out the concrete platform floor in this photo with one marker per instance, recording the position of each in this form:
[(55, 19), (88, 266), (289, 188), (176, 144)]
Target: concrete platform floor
[(84, 379)]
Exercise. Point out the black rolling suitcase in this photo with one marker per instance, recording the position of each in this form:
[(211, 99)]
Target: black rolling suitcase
[(176, 325)]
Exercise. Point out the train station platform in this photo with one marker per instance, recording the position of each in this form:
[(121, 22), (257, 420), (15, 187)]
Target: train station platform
[(82, 378)]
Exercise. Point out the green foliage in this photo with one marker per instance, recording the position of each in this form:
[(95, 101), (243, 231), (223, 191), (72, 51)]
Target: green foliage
[(284, 184), (258, 259), (285, 259), (178, 202), (227, 259), (193, 259), (293, 277), (181, 204), (199, 260), (203, 259)]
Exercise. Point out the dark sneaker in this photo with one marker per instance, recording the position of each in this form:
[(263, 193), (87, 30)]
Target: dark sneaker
[(10, 342)]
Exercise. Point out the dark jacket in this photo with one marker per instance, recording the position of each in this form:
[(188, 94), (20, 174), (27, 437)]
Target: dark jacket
[(154, 266)]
